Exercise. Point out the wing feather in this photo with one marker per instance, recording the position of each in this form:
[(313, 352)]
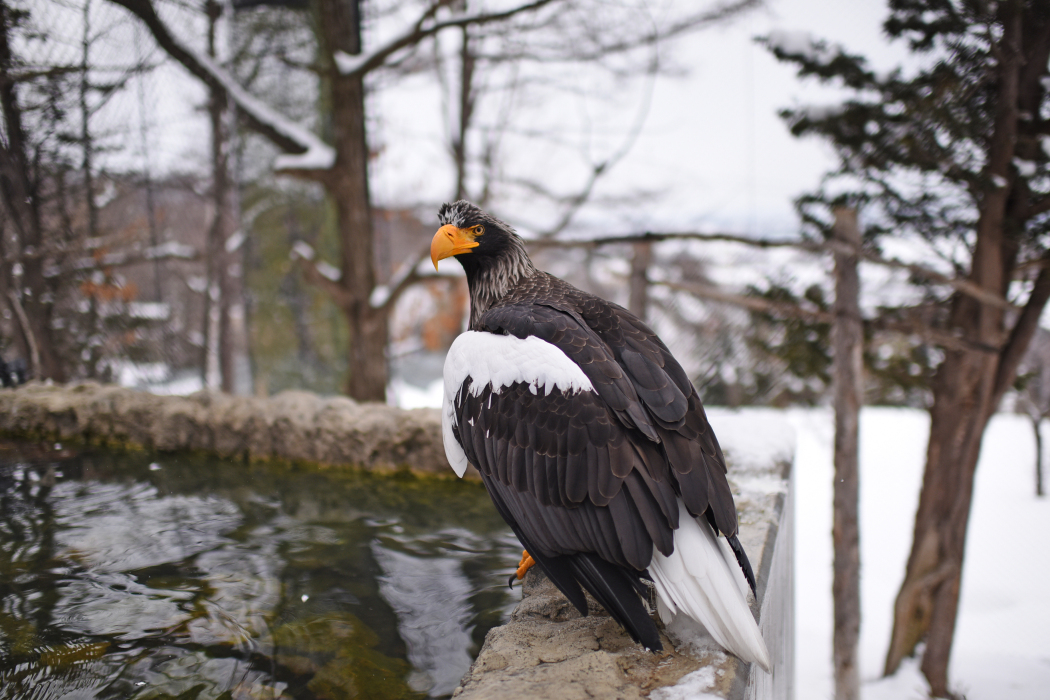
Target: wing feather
[(573, 498)]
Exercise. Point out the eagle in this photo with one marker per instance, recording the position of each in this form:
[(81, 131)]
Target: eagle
[(592, 443)]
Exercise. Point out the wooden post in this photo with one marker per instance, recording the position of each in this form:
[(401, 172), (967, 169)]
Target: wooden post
[(847, 344), (638, 299), (1036, 420)]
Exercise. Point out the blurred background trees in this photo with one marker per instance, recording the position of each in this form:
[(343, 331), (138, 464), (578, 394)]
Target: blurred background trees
[(291, 88), (949, 155), (290, 250)]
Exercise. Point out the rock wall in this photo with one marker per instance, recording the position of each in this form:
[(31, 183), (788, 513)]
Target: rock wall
[(293, 425)]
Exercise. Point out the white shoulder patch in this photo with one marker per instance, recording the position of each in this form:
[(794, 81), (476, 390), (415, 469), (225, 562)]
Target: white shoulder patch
[(499, 361)]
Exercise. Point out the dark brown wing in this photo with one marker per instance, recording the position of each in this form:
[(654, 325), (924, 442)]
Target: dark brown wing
[(647, 390), (567, 478), (567, 472)]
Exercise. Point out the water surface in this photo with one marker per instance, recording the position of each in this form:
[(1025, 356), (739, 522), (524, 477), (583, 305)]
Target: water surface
[(138, 576)]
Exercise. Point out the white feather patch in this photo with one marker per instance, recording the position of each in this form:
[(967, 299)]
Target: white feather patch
[(698, 580), (499, 361)]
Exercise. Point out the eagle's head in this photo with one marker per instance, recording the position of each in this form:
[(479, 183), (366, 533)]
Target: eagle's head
[(478, 240)]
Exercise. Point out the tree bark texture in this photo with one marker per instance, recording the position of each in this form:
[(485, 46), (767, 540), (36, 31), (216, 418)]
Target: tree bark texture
[(30, 296), (467, 95), (1036, 422), (87, 171), (226, 346), (339, 29), (638, 285), (847, 343), (969, 383)]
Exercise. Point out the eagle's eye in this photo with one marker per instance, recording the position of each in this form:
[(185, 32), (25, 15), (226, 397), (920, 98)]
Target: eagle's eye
[(478, 230)]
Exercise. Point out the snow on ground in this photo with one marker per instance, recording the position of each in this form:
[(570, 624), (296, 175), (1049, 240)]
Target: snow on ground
[(407, 395), (1002, 643), (157, 378), (180, 385)]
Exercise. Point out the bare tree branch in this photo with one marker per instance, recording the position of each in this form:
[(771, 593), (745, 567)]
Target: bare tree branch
[(910, 327), (313, 275), (359, 65), (650, 237), (1023, 330), (257, 116), (751, 303), (410, 277), (719, 14), (961, 285)]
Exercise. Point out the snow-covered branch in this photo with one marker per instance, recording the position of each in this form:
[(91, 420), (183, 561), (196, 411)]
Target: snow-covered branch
[(305, 151), (320, 273), (385, 296), (170, 250)]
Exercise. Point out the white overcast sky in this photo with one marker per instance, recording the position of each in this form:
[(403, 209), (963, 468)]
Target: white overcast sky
[(717, 132), (712, 146)]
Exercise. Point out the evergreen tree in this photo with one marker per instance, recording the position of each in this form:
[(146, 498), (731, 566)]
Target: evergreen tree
[(949, 154)]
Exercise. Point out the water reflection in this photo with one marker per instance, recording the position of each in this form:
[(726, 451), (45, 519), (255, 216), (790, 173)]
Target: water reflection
[(138, 577)]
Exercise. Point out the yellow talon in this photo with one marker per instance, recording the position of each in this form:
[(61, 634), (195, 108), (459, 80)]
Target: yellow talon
[(525, 564)]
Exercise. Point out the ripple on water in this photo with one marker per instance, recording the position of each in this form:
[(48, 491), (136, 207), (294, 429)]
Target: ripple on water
[(205, 579)]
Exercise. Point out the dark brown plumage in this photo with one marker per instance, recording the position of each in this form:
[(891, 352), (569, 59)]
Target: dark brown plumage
[(588, 480)]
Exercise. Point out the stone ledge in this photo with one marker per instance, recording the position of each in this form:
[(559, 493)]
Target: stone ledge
[(548, 650), (295, 426)]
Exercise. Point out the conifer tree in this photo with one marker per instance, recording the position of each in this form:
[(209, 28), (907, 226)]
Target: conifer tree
[(951, 154)]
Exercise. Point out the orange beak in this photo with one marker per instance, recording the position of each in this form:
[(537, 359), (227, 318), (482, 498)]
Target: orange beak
[(449, 241)]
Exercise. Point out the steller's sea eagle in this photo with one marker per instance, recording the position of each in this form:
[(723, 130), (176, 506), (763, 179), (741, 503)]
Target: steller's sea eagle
[(592, 443)]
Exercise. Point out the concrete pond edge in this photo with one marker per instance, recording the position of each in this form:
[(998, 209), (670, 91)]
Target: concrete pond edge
[(293, 426)]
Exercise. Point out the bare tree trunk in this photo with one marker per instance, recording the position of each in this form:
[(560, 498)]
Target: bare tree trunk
[(87, 147), (1036, 421), (226, 346), (347, 185), (970, 382), (214, 376), (928, 600), (638, 299), (847, 343), (29, 297), (87, 144), (467, 63)]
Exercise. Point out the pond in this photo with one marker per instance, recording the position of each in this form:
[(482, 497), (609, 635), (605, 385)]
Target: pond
[(158, 576)]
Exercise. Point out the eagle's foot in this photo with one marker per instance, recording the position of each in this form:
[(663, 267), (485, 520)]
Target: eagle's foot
[(524, 565)]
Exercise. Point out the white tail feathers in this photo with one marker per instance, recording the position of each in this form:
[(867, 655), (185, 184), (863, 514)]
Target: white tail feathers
[(698, 580)]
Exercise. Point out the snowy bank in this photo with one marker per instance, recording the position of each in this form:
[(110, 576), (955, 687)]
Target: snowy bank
[(548, 651), (1001, 649)]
